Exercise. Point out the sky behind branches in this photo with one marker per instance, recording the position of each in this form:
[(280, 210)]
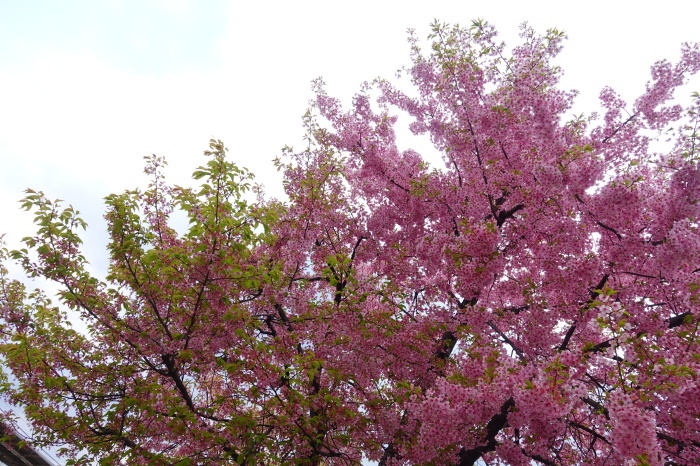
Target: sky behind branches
[(90, 87)]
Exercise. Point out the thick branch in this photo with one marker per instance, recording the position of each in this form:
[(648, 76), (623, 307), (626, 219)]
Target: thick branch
[(595, 291), (283, 316), (494, 426), (506, 214), (567, 337), (173, 374), (675, 442), (446, 345), (677, 321), (597, 406), (594, 295)]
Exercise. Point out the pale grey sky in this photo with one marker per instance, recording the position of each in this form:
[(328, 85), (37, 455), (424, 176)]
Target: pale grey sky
[(90, 87)]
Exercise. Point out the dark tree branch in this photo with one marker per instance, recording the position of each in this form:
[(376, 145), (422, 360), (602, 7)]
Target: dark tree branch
[(494, 426), (339, 287), (597, 406), (594, 292), (516, 310), (442, 352), (606, 138), (389, 452), (602, 225), (538, 458), (173, 373), (507, 340), (354, 249), (283, 316), (640, 275), (675, 442), (589, 430), (567, 337), (257, 294), (463, 303), (599, 347), (506, 214), (446, 345), (593, 296), (677, 321), (312, 279), (119, 436)]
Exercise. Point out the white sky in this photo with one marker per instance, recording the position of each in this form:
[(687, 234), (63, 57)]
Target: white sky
[(88, 87)]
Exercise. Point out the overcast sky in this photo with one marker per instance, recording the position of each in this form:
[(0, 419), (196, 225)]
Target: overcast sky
[(87, 88)]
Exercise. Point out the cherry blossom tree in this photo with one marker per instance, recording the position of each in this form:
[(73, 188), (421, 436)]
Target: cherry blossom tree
[(532, 300)]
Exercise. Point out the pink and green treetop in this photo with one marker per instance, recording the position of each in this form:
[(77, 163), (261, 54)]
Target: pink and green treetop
[(532, 300)]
